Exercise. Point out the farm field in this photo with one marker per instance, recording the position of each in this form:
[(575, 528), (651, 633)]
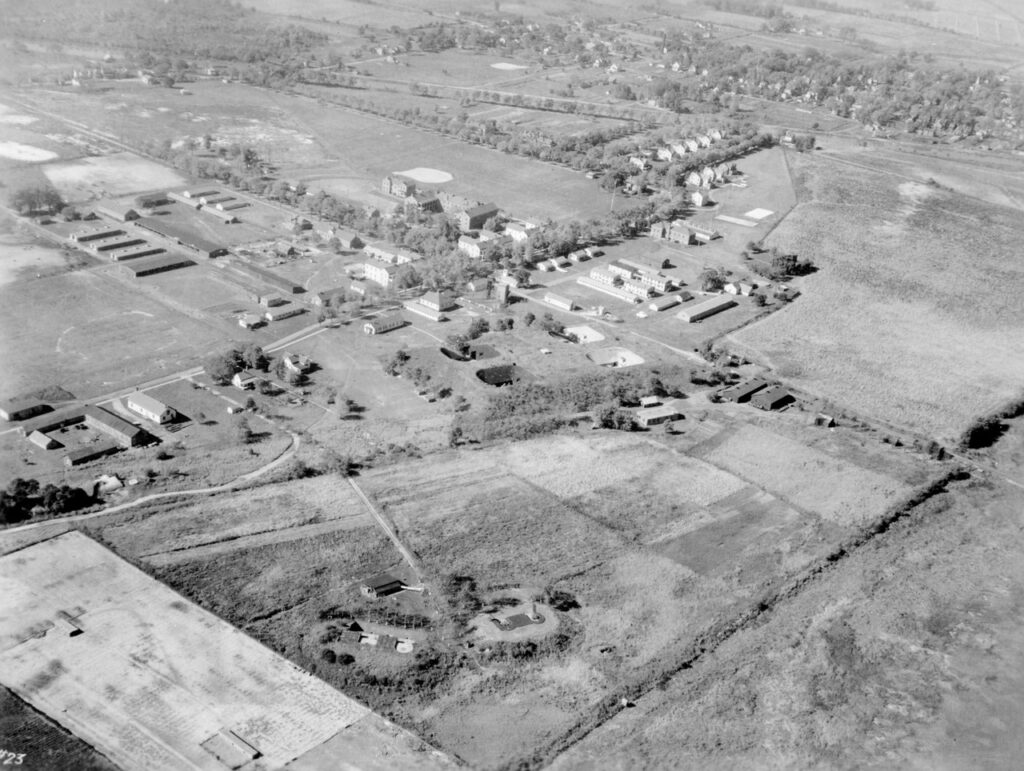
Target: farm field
[(90, 679), (906, 655), (891, 325), (84, 347)]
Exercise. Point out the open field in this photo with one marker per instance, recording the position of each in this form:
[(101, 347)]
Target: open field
[(110, 175), (892, 324), (230, 521), (85, 346), (905, 655), (838, 491), (119, 663)]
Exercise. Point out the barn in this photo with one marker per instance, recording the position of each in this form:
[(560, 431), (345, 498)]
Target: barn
[(705, 309)]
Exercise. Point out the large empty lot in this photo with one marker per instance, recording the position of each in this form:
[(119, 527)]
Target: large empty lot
[(150, 679), (91, 335), (914, 315)]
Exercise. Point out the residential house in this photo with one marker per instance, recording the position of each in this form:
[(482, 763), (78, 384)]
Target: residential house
[(704, 141), (744, 288), (640, 162), (246, 380), (701, 197), (693, 179), (150, 408), (519, 231), (707, 176), (691, 145), (250, 321), (665, 154), (470, 246), (297, 363)]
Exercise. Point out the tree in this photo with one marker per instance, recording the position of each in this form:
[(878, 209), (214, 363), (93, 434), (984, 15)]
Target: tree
[(477, 327), (245, 433), (529, 318), (221, 367), (712, 279), (252, 357)]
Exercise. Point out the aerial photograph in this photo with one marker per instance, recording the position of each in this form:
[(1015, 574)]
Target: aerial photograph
[(511, 385)]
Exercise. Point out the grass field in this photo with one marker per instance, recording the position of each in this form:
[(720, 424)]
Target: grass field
[(902, 321), (70, 329), (109, 175)]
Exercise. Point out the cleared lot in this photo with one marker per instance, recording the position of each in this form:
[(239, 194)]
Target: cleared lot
[(151, 679)]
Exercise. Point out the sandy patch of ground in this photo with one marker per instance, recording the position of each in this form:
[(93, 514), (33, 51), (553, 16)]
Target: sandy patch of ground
[(19, 152), (16, 258), (509, 66), (585, 334), (759, 214), (427, 176)]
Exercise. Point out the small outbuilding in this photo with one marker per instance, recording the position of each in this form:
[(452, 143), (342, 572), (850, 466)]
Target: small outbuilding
[(381, 586), (47, 442)]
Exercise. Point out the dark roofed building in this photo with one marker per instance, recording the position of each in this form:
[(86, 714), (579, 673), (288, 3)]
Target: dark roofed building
[(742, 393), (381, 586), (182, 235), (92, 452), (126, 434), (475, 217), (772, 398), (21, 410)]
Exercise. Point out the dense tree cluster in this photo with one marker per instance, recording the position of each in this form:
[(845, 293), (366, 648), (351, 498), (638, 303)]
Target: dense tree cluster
[(220, 31), (23, 496), (902, 91), (36, 198), (221, 367)]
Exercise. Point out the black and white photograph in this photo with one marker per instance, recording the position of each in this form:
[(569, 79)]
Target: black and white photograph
[(511, 385)]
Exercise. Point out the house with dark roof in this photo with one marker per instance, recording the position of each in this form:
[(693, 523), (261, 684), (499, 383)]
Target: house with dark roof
[(381, 586)]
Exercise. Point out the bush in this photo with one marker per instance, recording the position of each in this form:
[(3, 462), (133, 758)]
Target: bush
[(328, 655)]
